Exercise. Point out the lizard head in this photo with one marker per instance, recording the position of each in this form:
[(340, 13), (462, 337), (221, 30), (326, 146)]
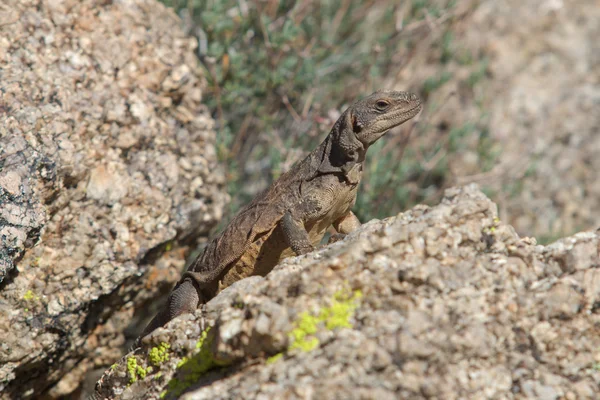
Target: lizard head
[(363, 123), (374, 115)]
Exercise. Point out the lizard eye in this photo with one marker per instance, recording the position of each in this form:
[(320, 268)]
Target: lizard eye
[(382, 104)]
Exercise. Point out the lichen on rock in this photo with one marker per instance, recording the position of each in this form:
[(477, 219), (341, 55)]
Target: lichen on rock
[(159, 354), (335, 316)]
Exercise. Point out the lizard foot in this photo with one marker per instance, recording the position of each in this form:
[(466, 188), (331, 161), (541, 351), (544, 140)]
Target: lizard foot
[(336, 237)]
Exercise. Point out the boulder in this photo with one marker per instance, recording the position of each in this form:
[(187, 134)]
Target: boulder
[(108, 173)]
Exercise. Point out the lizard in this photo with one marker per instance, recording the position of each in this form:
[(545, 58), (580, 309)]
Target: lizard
[(292, 215)]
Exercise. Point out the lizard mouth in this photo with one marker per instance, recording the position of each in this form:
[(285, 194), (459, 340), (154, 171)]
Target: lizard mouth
[(408, 114), (417, 108), (402, 113)]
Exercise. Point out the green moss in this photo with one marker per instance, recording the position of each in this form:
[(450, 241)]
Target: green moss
[(114, 366), (190, 370), (159, 354), (337, 315), (135, 370), (275, 358)]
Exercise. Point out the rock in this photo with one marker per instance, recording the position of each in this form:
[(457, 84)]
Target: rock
[(106, 178), (380, 315)]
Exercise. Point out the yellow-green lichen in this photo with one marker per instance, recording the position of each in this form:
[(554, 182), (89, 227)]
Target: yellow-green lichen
[(238, 304), (159, 354), (341, 310), (337, 315), (182, 362), (306, 325), (136, 371), (29, 296), (189, 370), (491, 229), (275, 358), (202, 340)]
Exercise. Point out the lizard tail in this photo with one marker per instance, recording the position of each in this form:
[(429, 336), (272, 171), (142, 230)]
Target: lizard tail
[(185, 298)]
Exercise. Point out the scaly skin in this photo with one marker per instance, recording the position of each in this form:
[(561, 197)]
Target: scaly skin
[(292, 215)]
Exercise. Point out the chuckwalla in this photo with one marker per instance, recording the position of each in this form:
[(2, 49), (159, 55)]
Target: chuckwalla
[(292, 215)]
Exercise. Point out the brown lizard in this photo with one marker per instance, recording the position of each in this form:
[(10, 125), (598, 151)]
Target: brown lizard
[(292, 215)]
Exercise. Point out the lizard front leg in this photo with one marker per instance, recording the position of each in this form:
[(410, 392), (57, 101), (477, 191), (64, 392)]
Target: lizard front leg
[(317, 198), (295, 234)]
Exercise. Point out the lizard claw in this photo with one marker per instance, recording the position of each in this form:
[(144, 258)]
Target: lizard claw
[(336, 237)]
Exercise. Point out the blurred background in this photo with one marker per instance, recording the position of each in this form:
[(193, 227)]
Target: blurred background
[(512, 93)]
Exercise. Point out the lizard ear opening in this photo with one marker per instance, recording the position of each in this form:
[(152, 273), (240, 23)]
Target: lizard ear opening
[(357, 126)]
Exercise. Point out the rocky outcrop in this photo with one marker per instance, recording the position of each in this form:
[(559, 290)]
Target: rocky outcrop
[(441, 302), (107, 173)]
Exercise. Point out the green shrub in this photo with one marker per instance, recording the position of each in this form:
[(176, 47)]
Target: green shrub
[(276, 69)]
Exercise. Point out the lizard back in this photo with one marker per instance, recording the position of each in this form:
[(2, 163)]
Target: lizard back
[(253, 224)]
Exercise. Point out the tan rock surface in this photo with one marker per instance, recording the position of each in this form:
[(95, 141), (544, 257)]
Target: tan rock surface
[(106, 162)]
